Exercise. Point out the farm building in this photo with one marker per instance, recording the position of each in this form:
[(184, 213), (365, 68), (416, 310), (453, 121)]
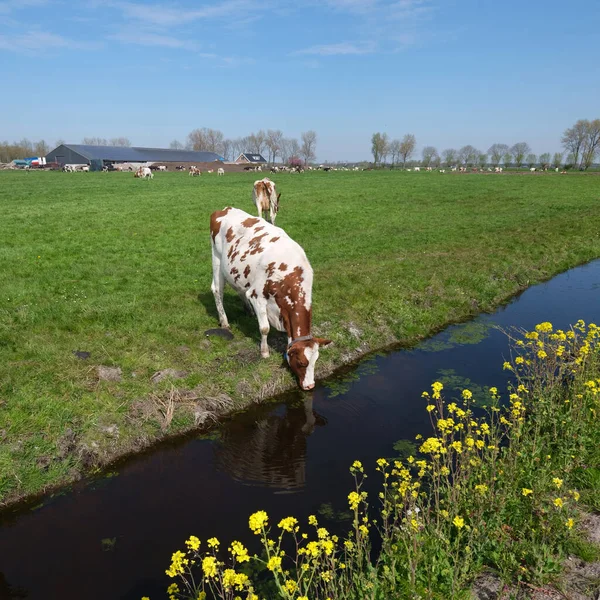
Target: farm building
[(252, 158), (98, 156)]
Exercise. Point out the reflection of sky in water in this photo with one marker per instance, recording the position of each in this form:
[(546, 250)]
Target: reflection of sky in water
[(285, 458)]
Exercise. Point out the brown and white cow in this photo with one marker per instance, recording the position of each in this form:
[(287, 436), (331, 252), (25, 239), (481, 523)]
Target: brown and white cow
[(271, 273), (266, 198)]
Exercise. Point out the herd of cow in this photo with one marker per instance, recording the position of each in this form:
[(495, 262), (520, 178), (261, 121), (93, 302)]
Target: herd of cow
[(271, 274)]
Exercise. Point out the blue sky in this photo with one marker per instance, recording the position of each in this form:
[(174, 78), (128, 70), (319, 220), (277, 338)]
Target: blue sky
[(452, 72)]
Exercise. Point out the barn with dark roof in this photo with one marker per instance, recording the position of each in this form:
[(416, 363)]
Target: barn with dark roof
[(251, 157), (99, 156)]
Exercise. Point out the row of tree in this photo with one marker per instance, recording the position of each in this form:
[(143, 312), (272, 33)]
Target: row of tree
[(581, 143), (25, 148), (270, 143)]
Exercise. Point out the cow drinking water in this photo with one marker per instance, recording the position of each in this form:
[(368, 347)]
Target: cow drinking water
[(273, 276)]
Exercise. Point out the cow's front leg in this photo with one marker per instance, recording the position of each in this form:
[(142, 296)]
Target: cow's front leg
[(260, 308), (218, 283)]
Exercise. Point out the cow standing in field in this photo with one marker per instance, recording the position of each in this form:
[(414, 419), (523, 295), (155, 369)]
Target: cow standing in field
[(265, 197), (144, 173), (220, 171), (273, 276), (194, 171)]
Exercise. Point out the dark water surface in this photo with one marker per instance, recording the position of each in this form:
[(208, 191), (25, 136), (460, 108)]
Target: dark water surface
[(113, 538)]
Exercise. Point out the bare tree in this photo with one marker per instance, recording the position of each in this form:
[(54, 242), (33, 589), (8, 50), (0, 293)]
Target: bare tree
[(592, 143), (41, 148), (274, 140), (449, 156), (309, 146), (120, 141), (468, 155), (379, 146), (206, 140), (407, 147), (59, 142), (482, 159), (227, 149), (545, 160), (290, 148), (531, 159), (557, 159), (94, 141), (429, 155), (519, 151), (256, 142), (176, 145), (573, 139), (394, 150), (506, 159), (237, 147), (496, 152)]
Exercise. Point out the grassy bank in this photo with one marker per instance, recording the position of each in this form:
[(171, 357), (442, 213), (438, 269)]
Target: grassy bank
[(120, 268), (502, 489)]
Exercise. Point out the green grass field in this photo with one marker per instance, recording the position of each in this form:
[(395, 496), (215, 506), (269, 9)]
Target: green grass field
[(121, 268)]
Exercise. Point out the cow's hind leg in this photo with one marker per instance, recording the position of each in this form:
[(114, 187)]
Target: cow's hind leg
[(217, 286)]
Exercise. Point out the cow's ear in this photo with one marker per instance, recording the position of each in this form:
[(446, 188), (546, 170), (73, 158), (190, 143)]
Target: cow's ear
[(322, 341)]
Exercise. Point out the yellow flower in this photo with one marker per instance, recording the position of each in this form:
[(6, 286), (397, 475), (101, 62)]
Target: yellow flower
[(526, 492), (209, 566), (558, 502), (437, 388), (557, 482), (457, 445), (467, 394), (542, 354), (291, 586), (274, 563), (364, 529), (178, 562), (382, 463), (257, 521), (459, 522), (431, 445), (532, 335), (302, 597), (507, 366), (213, 542), (569, 523), (353, 500), (430, 407), (575, 495), (238, 550), (481, 488), (519, 360), (356, 465), (193, 543), (444, 513), (288, 524), (349, 544), (312, 520)]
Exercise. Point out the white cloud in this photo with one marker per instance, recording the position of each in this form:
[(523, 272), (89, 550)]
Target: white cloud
[(343, 48), (35, 41), (145, 38)]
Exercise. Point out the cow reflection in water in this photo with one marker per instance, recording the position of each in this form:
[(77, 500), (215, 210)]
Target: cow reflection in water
[(270, 449)]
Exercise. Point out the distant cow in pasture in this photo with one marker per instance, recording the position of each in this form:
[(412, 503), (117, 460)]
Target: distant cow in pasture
[(144, 173), (272, 275), (220, 171), (162, 167), (180, 168), (210, 171), (417, 169), (532, 169), (194, 171), (266, 198)]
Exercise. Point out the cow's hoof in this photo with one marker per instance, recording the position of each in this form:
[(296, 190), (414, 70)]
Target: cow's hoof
[(264, 354)]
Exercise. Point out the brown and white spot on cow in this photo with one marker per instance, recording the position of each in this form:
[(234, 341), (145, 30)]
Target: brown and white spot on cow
[(253, 294), (233, 271), (257, 229), (291, 301), (270, 270), (247, 271), (215, 223), (273, 240), (230, 236), (250, 222), (283, 267)]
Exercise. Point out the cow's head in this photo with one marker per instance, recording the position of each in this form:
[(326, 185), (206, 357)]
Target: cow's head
[(302, 355)]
